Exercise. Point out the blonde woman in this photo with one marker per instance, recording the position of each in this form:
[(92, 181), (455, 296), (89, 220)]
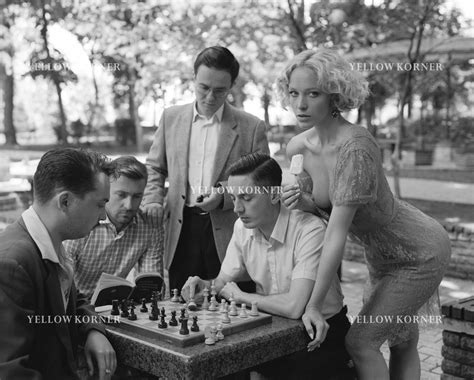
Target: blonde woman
[(406, 251)]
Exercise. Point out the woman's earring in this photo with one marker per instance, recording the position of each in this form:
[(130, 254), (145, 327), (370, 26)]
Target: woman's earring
[(335, 113)]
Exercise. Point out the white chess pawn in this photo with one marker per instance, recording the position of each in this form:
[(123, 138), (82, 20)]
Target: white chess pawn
[(254, 310), (223, 308), (205, 303), (214, 333), (233, 309), (213, 304), (175, 296), (243, 311), (226, 318), (219, 334)]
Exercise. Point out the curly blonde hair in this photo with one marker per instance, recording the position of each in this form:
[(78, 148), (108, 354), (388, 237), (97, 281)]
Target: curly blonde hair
[(334, 74)]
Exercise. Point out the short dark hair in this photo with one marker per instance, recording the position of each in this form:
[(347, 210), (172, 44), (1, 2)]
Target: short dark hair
[(220, 58), (263, 169), (70, 169), (129, 167)]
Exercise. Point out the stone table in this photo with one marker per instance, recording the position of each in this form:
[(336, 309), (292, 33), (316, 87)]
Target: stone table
[(235, 353)]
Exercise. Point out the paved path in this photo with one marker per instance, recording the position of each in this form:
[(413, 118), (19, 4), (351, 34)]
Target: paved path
[(430, 343)]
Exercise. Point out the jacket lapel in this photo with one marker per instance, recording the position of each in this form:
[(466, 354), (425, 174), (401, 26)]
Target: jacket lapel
[(53, 290), (226, 140), (182, 134)]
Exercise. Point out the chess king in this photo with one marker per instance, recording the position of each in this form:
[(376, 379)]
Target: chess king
[(279, 250), (71, 188)]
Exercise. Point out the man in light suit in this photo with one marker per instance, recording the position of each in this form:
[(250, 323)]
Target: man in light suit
[(193, 147), (42, 319)]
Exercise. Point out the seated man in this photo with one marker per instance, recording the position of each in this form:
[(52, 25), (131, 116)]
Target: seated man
[(41, 316), (279, 250), (125, 238)]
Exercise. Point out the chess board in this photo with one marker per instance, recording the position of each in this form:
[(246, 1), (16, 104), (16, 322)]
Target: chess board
[(145, 327)]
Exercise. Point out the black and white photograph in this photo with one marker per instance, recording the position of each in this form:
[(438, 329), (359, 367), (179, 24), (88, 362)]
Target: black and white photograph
[(236, 189)]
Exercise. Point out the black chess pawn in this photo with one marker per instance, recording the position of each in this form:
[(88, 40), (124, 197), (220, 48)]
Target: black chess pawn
[(124, 308), (184, 326), (162, 324), (132, 316), (144, 309), (173, 320), (194, 326), (115, 308)]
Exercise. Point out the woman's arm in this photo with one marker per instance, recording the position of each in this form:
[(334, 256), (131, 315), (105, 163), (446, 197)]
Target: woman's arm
[(331, 257)]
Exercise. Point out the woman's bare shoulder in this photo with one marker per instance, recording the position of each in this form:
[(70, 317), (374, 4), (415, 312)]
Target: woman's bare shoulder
[(296, 145)]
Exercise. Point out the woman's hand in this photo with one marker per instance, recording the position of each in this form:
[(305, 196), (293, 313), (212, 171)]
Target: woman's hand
[(294, 198), (314, 321), (291, 196)]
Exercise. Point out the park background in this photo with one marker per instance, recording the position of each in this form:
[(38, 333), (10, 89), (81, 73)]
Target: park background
[(98, 74)]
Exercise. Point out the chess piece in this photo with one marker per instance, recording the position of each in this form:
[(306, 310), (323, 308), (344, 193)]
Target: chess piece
[(115, 308), (214, 333), (231, 298), (219, 334), (132, 316), (209, 336), (124, 308), (192, 305), (162, 323), (144, 309), (254, 310), (173, 320), (205, 303), (226, 318), (213, 289), (213, 304), (183, 314), (233, 309), (154, 310), (243, 311), (175, 297), (184, 326), (194, 326), (223, 307)]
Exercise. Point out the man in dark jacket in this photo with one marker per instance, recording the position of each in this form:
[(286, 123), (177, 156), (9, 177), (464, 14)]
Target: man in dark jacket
[(41, 316)]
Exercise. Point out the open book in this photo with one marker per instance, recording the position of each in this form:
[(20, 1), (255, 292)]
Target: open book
[(112, 287)]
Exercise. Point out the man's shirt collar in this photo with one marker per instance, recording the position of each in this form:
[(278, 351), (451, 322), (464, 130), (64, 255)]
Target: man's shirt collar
[(280, 228), (40, 235), (217, 115)]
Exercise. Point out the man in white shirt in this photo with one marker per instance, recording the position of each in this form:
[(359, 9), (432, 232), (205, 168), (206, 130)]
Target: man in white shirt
[(279, 250), (193, 147)]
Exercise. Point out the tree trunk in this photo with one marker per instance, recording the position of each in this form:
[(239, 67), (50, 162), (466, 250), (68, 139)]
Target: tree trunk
[(61, 132), (133, 110), (266, 104), (8, 96)]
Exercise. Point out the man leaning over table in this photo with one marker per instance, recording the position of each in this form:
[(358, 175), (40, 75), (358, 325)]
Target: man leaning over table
[(193, 147), (279, 250), (42, 319), (125, 239)]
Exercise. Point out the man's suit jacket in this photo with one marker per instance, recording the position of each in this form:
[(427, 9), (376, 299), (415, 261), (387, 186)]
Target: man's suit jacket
[(29, 286), (241, 133)]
